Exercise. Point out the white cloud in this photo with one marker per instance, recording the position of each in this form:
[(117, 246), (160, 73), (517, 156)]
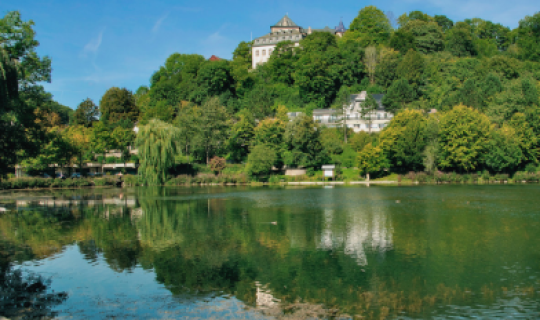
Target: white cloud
[(158, 23), (93, 45)]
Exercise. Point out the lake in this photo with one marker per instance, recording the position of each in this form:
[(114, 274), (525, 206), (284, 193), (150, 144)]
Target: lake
[(415, 252)]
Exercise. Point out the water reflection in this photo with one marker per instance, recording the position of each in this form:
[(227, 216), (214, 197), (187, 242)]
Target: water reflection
[(325, 252)]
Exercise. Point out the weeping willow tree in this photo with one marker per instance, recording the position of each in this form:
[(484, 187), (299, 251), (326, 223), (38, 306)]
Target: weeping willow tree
[(157, 144)]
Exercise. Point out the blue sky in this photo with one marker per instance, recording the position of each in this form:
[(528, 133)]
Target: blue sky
[(97, 44)]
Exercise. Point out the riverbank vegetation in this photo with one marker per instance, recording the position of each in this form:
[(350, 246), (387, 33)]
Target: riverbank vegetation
[(464, 94)]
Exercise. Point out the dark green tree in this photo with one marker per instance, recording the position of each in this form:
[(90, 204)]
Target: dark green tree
[(86, 113), (444, 22), (429, 37), (530, 92), (529, 37), (402, 41), (399, 95), (460, 42), (411, 68), (469, 94), (118, 104)]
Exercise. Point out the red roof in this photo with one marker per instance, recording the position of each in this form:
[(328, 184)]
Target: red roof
[(214, 58)]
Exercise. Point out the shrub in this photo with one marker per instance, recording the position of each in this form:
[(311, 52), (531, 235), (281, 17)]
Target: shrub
[(111, 160), (100, 159), (131, 180), (134, 158), (530, 168), (217, 164)]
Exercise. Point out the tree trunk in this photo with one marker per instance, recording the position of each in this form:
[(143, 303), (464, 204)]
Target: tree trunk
[(367, 177), (187, 154)]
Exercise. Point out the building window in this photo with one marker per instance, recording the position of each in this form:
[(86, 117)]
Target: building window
[(256, 53), (357, 126), (264, 52)]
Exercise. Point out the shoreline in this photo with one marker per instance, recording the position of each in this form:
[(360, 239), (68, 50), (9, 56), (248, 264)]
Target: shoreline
[(293, 183)]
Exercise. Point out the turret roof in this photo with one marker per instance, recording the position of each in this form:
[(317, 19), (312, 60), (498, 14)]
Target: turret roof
[(285, 22)]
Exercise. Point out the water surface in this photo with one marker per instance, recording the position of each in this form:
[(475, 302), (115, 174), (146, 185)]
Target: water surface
[(417, 252)]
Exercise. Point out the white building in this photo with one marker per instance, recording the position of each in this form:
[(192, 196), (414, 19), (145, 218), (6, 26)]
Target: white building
[(372, 121), (284, 30)]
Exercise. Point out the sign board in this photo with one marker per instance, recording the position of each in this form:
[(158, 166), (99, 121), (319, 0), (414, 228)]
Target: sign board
[(328, 173)]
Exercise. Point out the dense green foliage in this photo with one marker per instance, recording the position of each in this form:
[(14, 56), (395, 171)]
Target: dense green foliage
[(481, 79)]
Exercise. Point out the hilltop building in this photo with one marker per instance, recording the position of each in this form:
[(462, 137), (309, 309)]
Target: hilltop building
[(284, 30), (373, 121)]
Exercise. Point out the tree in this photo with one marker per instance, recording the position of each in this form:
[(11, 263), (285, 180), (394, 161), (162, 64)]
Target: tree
[(371, 160), (404, 19), (525, 137), (411, 68), (213, 79), (429, 37), (399, 95), (371, 27), (469, 94), (240, 67), (58, 150), (270, 133), (217, 164), (123, 139), (503, 152), (491, 86), (118, 104), (187, 122), (281, 63), (331, 141), (368, 108), (261, 160), (402, 41), (404, 140), (242, 133), (359, 140), (463, 136), (530, 92), (20, 71), (302, 137), (459, 41), (157, 147), (86, 113), (318, 69), (341, 103), (79, 137), (214, 127), (528, 38), (444, 22), (370, 61), (101, 140)]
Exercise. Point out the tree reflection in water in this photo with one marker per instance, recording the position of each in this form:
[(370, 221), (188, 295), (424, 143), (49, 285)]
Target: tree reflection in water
[(331, 252), (25, 296)]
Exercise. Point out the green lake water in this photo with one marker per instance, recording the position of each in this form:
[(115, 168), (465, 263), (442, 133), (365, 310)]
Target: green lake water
[(418, 252)]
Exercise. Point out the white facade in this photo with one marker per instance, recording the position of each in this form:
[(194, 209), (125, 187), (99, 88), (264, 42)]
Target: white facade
[(284, 30), (355, 119)]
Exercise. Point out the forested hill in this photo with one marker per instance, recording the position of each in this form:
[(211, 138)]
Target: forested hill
[(426, 63)]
